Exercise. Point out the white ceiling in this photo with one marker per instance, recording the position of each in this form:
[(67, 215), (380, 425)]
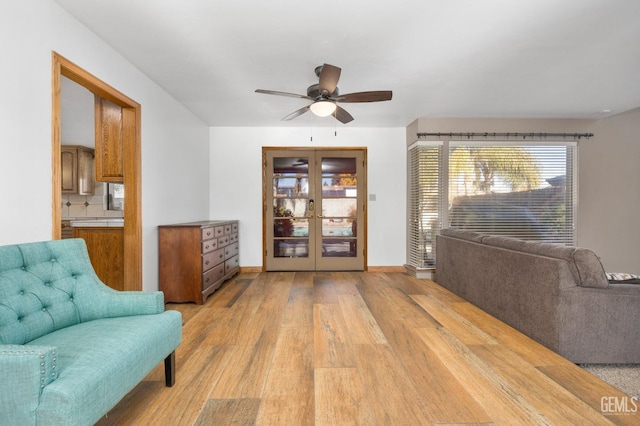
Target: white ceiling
[(441, 58)]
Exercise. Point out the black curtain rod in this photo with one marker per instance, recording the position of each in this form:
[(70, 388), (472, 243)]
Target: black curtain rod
[(516, 135)]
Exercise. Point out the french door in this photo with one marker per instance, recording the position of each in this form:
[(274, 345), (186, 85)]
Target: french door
[(314, 209)]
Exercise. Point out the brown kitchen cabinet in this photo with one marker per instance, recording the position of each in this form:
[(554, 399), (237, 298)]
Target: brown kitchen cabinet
[(78, 176), (106, 252), (109, 140), (195, 258)]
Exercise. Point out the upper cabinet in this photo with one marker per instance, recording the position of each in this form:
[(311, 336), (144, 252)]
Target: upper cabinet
[(77, 170), (109, 141)]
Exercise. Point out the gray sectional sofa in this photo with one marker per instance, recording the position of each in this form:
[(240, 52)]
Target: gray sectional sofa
[(557, 295)]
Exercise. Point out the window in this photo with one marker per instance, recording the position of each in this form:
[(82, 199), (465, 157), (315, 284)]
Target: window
[(512, 189), (424, 202), (521, 190)]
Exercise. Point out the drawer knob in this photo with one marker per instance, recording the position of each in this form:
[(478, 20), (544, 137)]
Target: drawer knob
[(206, 263)]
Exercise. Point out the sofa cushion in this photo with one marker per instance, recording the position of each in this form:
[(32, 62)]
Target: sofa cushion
[(463, 235), (99, 361), (591, 270), (38, 285), (49, 285), (584, 264)]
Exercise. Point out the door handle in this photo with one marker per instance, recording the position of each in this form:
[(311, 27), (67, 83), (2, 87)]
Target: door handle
[(320, 216), (311, 204)]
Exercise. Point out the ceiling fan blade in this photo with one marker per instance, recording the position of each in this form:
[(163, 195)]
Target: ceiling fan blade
[(342, 115), (329, 76), (296, 113), (291, 95), (373, 96)]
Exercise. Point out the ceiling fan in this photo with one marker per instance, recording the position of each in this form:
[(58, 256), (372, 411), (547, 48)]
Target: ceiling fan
[(325, 96)]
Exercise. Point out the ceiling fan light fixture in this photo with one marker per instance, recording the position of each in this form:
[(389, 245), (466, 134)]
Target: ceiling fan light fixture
[(323, 108)]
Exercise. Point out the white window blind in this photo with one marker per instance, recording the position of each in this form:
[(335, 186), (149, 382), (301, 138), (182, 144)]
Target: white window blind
[(526, 191), (424, 202)]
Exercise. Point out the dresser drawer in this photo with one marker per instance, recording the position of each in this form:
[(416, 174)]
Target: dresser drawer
[(208, 233), (219, 231), (212, 259), (231, 264), (212, 276), (228, 229), (223, 241), (233, 238), (209, 245), (231, 250)]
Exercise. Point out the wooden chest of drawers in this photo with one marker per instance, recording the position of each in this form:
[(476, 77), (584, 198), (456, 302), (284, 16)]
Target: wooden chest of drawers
[(196, 258)]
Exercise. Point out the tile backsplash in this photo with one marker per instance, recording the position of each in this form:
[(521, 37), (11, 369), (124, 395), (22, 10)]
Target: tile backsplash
[(83, 206)]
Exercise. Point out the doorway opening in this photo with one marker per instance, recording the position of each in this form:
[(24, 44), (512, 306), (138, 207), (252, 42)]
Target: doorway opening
[(314, 216), (131, 162)]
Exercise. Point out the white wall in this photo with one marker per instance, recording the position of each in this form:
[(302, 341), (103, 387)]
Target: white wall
[(236, 182), (609, 193), (175, 144)]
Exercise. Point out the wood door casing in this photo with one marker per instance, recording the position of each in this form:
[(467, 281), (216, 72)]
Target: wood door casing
[(132, 153)]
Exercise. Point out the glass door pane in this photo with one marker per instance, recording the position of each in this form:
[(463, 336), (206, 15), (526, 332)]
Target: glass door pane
[(289, 212), (290, 207), (341, 210), (339, 207)]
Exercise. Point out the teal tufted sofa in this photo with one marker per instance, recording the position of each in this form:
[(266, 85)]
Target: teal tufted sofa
[(71, 347)]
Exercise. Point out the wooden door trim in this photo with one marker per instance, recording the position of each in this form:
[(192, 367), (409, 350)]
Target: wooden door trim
[(132, 162), (265, 186)]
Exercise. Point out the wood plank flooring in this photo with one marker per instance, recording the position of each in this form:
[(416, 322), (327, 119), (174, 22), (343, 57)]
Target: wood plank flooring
[(361, 348)]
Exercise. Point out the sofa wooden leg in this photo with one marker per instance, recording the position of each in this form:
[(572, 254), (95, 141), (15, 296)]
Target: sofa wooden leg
[(170, 369)]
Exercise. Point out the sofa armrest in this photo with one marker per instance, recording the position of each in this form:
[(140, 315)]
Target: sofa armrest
[(127, 303), (100, 301), (24, 372)]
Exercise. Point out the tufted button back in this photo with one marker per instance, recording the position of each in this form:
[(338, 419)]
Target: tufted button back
[(41, 285)]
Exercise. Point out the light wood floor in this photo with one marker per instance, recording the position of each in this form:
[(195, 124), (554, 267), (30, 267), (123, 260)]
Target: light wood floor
[(355, 348)]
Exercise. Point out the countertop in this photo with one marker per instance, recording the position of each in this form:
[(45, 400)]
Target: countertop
[(91, 223)]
